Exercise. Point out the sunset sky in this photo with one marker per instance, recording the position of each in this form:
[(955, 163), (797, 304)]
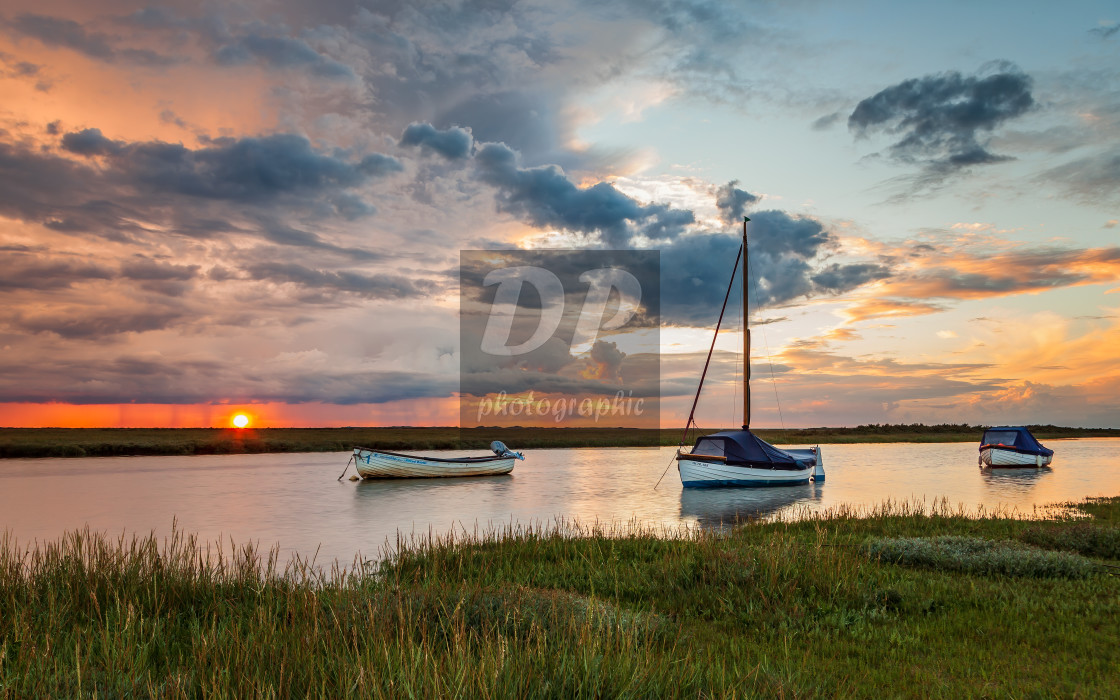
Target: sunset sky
[(208, 208)]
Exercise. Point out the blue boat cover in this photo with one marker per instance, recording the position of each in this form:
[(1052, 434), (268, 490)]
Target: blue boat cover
[(742, 447), (1017, 438)]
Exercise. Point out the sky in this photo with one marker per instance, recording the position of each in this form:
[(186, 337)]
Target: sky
[(208, 208)]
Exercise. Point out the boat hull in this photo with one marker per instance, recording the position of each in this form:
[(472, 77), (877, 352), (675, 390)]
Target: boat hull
[(997, 457), (707, 474), (372, 464)]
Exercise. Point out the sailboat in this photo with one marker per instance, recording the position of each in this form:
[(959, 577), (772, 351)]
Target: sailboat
[(739, 457)]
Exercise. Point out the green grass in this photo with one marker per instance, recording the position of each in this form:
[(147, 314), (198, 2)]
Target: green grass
[(781, 609), (104, 442)]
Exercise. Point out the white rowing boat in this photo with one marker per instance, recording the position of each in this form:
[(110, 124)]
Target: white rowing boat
[(382, 464)]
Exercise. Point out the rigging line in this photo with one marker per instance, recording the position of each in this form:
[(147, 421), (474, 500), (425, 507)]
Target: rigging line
[(692, 413), (770, 360)]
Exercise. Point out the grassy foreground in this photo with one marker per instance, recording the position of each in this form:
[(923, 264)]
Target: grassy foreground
[(902, 601), (104, 442)]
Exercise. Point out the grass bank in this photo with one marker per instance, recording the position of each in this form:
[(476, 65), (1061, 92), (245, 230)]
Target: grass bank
[(902, 601), (105, 442)]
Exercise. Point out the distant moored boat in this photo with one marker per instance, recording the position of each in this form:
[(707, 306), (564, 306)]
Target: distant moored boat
[(1008, 446)]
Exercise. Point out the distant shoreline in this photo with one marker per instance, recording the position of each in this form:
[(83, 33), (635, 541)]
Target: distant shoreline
[(108, 442)]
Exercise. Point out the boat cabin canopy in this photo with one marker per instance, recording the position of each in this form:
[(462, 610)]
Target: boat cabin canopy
[(1017, 438), (744, 447)]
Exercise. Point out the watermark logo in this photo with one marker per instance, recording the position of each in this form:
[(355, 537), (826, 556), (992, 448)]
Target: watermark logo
[(560, 338)]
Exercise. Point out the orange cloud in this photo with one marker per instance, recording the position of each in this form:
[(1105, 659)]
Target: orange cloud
[(866, 309)]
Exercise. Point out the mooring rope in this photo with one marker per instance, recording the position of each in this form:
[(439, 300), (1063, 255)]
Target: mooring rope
[(345, 468), (666, 469)]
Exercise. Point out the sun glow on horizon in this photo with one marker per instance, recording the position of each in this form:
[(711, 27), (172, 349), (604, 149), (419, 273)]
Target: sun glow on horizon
[(240, 420)]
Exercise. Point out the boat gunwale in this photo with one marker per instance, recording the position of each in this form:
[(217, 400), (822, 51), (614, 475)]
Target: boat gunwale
[(1046, 452), (797, 466), (446, 460)]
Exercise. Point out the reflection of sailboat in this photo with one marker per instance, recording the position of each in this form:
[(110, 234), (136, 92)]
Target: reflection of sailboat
[(713, 509), (739, 457)]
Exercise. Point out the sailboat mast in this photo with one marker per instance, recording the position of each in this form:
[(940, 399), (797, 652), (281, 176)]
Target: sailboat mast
[(746, 337)]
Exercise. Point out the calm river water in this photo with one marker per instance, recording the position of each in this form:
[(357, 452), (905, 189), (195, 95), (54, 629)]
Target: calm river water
[(294, 501)]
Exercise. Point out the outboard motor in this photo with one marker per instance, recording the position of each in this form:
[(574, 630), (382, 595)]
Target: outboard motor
[(818, 468), (499, 448)]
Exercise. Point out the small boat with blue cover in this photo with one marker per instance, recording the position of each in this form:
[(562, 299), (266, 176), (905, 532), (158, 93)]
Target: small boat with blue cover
[(739, 457), (1012, 446)]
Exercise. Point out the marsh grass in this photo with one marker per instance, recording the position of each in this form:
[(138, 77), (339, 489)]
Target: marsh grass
[(106, 442), (1089, 539), (778, 609), (979, 556)]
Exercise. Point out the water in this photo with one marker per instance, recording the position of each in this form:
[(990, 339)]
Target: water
[(294, 500)]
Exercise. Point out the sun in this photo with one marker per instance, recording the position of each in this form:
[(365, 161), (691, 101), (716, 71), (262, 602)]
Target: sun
[(241, 420)]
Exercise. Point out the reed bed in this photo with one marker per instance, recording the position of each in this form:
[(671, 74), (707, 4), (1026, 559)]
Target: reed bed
[(106, 442), (777, 609)]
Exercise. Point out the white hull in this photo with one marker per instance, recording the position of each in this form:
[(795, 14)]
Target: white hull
[(704, 473), (380, 465), (996, 457)]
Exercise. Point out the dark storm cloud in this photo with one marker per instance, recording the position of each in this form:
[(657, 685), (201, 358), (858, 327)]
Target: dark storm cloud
[(66, 33), (942, 118), (280, 52), (569, 266), (454, 143), (520, 379), (251, 42), (783, 251), (152, 270), (90, 142), (838, 278), (280, 233), (351, 207), (161, 183), (250, 168), (732, 201), (160, 379), (90, 325), (544, 196), (43, 187), (522, 119), (22, 270), (379, 286)]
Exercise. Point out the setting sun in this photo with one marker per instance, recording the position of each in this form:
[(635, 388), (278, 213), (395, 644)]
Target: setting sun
[(240, 420)]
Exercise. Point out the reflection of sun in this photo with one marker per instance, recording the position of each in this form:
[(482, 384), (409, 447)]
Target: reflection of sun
[(241, 420)]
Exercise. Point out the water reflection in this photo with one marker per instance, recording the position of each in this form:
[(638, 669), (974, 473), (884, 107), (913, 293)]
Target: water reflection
[(1013, 479), (717, 508), (422, 507), (295, 501)]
